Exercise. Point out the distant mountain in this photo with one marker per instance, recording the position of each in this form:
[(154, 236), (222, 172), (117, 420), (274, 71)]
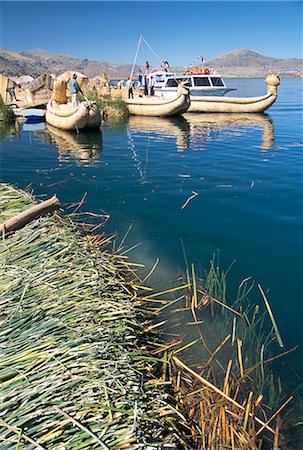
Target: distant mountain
[(244, 62), (237, 63), (36, 61)]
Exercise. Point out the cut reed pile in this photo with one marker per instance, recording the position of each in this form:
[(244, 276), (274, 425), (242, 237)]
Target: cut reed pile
[(221, 371), (72, 372)]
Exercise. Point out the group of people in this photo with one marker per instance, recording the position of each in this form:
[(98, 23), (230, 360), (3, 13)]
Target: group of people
[(147, 82)]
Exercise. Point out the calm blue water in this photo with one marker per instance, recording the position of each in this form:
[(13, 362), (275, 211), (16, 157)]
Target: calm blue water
[(246, 170)]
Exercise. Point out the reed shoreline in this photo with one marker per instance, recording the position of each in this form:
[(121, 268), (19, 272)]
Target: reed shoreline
[(74, 368), (83, 365)]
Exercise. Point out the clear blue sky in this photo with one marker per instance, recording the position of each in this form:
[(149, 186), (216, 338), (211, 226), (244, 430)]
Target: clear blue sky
[(177, 31)]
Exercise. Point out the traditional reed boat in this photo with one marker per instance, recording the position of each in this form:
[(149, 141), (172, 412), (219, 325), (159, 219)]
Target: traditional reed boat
[(61, 114), (237, 104), (154, 106)]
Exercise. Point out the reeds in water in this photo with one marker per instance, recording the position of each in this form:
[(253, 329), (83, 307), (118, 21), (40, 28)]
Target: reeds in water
[(223, 381)]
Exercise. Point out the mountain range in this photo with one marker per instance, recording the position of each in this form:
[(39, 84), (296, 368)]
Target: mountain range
[(237, 63)]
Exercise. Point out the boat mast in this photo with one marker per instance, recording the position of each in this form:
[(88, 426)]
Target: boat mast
[(136, 56), (137, 51)]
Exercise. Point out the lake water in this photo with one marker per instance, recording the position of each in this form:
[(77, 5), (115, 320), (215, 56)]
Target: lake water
[(245, 169)]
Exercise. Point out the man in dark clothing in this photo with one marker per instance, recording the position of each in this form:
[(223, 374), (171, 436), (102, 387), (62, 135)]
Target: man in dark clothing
[(11, 91)]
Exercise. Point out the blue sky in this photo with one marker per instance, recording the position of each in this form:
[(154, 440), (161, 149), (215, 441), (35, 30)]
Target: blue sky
[(177, 31)]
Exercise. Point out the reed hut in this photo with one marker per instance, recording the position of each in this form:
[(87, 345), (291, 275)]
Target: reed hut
[(100, 84), (39, 91)]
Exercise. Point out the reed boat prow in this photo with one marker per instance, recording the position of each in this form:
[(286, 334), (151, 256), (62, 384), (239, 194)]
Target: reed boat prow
[(238, 104)]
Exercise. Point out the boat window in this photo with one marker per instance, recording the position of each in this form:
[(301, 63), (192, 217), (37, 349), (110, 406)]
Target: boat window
[(217, 81), (201, 81), (171, 83), (189, 80), (159, 78)]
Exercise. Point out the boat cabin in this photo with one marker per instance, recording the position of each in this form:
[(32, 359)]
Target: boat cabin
[(166, 84)]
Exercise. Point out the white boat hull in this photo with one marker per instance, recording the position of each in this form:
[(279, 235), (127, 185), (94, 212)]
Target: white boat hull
[(171, 92)]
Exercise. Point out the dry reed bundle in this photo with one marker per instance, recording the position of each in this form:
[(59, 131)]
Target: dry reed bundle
[(72, 372)]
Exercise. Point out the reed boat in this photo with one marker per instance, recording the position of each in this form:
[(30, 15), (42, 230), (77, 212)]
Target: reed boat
[(214, 104), (154, 106), (61, 114)]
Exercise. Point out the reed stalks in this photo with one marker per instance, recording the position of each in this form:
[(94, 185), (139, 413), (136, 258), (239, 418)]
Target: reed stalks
[(6, 113), (74, 370), (223, 378), (112, 108)]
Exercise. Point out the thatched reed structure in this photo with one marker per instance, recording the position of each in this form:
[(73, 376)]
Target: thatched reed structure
[(39, 91)]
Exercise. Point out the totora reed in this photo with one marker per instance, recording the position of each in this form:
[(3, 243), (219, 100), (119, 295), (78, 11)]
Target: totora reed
[(84, 365)]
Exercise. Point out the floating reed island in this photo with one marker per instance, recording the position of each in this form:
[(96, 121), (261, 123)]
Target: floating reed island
[(74, 372), (83, 365)]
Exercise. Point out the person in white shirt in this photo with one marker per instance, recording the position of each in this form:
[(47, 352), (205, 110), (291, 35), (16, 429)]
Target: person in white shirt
[(151, 84), (129, 86)]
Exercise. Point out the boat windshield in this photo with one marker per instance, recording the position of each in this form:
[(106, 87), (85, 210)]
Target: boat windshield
[(201, 81), (216, 81), (173, 82)]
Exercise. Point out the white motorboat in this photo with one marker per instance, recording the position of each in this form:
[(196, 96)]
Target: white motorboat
[(200, 84)]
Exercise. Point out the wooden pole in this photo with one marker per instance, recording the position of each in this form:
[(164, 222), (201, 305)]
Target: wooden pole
[(23, 218)]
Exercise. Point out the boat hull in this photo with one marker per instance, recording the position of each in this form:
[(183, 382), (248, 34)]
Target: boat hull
[(169, 92), (63, 116), (153, 106), (231, 104), (33, 114)]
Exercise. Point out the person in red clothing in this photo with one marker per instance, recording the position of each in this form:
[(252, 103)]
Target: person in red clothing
[(147, 67)]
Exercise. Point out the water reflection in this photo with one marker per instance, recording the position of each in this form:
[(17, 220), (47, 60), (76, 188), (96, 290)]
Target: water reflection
[(194, 131), (166, 127), (84, 147), (204, 127), (11, 130)]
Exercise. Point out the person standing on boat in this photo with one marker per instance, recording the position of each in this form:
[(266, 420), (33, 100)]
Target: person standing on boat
[(12, 93), (74, 88), (140, 76), (145, 85), (147, 67), (165, 65), (129, 87), (151, 84)]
